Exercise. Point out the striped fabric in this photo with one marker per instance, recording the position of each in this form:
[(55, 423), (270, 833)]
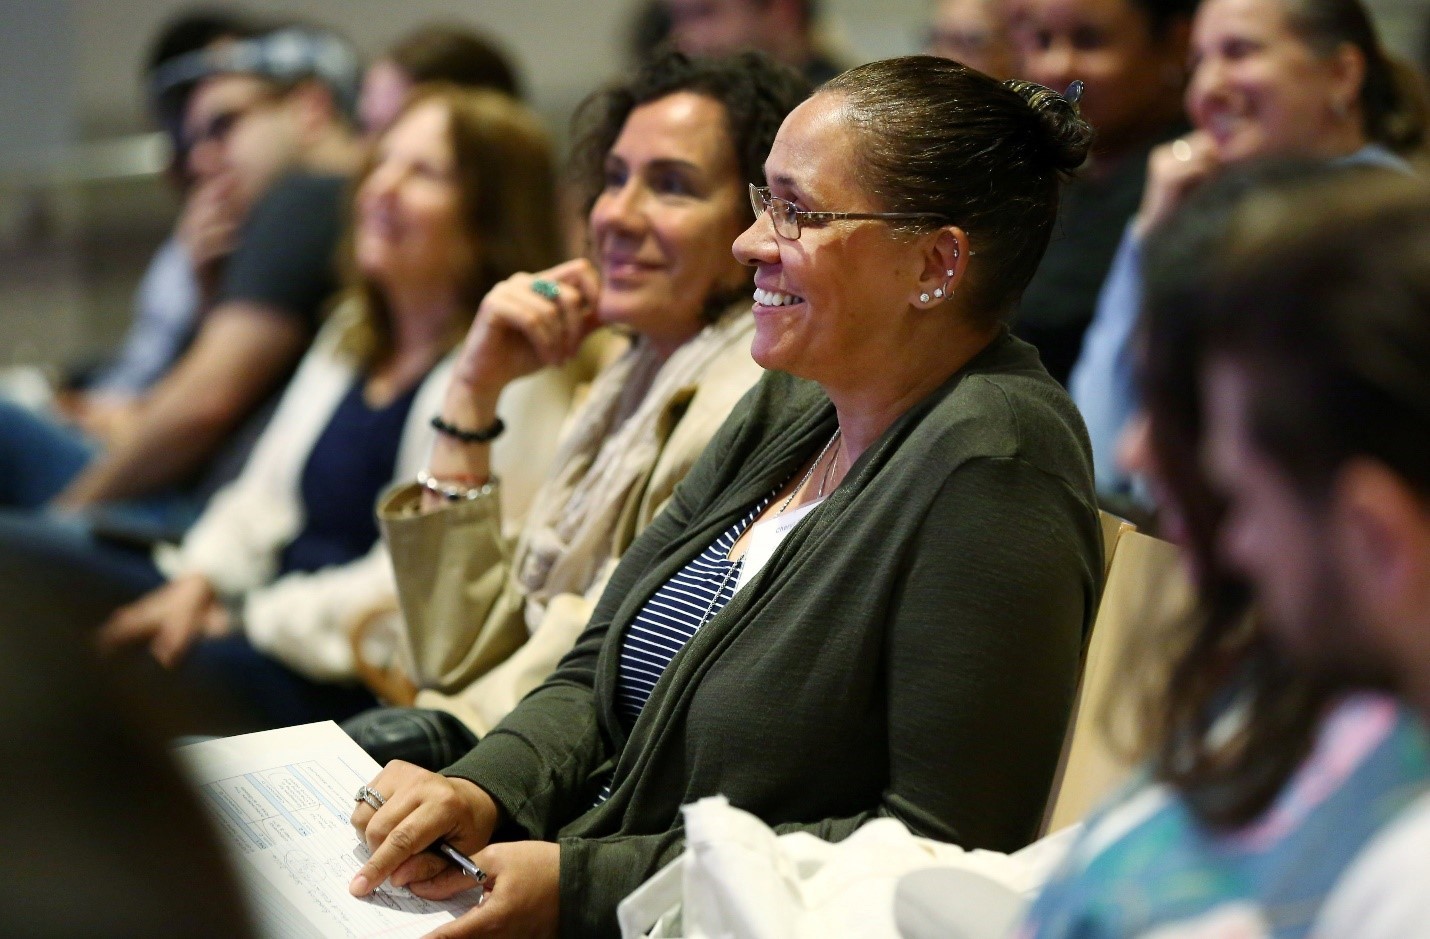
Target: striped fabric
[(683, 604)]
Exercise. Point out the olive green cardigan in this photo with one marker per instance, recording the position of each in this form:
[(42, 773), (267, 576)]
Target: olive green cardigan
[(910, 650)]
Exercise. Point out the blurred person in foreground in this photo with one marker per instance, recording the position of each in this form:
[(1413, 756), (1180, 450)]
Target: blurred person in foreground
[(1270, 78), (787, 30), (1285, 353), (109, 840), (974, 32), (1131, 57), (263, 591), (436, 52), (869, 595), (663, 158)]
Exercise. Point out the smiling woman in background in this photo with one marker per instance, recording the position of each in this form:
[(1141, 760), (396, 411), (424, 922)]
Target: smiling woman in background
[(263, 590), (1270, 78), (868, 598)]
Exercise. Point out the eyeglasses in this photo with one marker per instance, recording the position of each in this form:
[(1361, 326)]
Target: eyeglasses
[(788, 219), (219, 126)]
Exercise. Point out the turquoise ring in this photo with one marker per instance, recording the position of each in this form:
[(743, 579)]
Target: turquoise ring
[(546, 288)]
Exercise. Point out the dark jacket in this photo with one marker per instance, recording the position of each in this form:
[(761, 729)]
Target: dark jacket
[(911, 649)]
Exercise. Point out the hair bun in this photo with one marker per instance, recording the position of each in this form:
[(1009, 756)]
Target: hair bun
[(1065, 135)]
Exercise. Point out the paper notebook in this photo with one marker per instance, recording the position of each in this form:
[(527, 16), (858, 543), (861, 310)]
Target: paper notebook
[(282, 800)]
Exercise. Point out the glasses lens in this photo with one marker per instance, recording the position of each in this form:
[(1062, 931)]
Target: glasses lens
[(786, 219)]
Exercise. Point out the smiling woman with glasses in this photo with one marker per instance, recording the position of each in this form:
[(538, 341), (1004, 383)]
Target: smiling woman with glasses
[(787, 217), (868, 598)]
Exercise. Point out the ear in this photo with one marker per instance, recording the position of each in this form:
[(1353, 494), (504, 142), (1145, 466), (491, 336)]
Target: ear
[(945, 261), (1384, 533), (1347, 78)]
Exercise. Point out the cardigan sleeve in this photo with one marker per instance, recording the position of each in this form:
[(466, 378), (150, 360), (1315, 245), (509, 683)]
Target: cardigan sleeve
[(536, 764), (982, 660), (983, 653)]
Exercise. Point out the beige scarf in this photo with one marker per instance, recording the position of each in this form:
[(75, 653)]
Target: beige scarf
[(610, 450)]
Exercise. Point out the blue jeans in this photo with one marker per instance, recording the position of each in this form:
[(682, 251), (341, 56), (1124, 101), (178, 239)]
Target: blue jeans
[(38, 457), (268, 692)]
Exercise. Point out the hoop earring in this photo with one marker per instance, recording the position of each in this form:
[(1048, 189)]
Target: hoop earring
[(942, 292)]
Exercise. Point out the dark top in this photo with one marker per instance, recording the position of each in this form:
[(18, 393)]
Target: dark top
[(286, 259), (286, 254), (352, 461), (910, 649), (1059, 302)]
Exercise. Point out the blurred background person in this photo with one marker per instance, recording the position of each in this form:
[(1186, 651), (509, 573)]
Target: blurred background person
[(790, 31), (662, 159), (1269, 776), (267, 121), (263, 592), (1131, 56), (1270, 78), (105, 399), (974, 32), (436, 52)]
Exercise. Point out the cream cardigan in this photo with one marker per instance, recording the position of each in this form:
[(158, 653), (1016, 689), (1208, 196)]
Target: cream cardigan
[(304, 619)]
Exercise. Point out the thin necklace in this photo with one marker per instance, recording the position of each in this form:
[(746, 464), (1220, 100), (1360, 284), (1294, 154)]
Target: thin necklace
[(730, 567), (810, 473)]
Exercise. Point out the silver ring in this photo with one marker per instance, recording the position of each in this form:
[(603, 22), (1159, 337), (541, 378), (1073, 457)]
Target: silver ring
[(546, 288), (371, 796), (1181, 150)]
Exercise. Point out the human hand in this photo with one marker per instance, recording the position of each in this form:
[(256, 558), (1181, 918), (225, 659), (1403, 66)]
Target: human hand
[(209, 223), (108, 419), (169, 619), (418, 808), (517, 330), (1173, 171), (522, 892)]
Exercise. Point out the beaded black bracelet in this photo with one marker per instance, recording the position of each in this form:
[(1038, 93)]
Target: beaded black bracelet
[(482, 435)]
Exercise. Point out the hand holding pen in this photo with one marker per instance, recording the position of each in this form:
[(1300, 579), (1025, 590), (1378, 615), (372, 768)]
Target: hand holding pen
[(425, 824)]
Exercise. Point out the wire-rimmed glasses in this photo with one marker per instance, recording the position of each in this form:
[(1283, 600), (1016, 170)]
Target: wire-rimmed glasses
[(787, 217)]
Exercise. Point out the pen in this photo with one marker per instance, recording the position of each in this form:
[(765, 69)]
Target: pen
[(375, 801), (459, 859)]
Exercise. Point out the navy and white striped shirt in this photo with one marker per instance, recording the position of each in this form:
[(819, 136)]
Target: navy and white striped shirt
[(673, 614), (689, 600)]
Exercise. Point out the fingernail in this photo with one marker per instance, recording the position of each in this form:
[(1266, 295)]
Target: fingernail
[(358, 887)]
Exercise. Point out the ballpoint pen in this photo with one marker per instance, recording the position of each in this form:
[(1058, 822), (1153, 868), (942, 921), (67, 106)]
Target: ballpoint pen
[(375, 801)]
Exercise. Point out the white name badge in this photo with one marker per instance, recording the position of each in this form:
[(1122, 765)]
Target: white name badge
[(765, 537)]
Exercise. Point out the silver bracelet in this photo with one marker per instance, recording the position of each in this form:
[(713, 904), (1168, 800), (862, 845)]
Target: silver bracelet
[(455, 492)]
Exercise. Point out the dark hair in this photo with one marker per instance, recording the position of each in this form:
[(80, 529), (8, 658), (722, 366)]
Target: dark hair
[(1163, 14), (755, 91), (1218, 655), (93, 737), (1392, 97), (449, 52), (506, 176), (1341, 353), (1206, 281), (940, 137), (195, 30)]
